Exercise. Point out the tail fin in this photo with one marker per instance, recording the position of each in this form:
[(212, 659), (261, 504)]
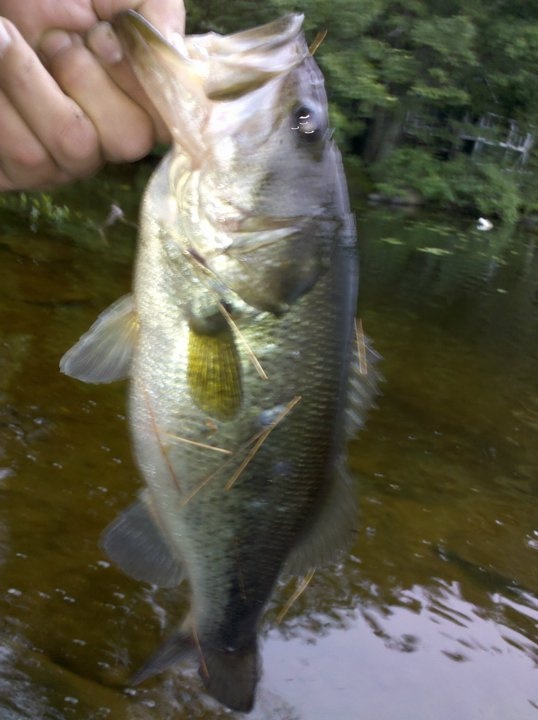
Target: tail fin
[(172, 651), (230, 676)]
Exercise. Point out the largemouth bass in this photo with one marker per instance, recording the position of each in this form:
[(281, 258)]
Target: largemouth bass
[(238, 339)]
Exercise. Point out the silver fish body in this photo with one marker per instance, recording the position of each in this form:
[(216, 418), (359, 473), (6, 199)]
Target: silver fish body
[(245, 384)]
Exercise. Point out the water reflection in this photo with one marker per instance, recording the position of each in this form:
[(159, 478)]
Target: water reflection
[(435, 612), (432, 655)]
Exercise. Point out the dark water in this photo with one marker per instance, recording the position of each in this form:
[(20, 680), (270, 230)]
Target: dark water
[(435, 612)]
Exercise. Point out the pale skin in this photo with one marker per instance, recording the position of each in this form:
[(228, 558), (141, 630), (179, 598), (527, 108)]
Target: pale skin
[(69, 100)]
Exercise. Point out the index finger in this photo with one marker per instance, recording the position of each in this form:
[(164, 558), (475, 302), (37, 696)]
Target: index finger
[(167, 15)]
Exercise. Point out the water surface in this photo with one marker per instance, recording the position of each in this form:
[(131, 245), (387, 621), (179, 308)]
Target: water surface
[(434, 614)]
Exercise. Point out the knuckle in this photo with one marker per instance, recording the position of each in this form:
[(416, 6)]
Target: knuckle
[(133, 144), (29, 166), (29, 157), (77, 144), (69, 68)]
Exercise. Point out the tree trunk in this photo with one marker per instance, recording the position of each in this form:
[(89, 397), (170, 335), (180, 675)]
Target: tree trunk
[(383, 134)]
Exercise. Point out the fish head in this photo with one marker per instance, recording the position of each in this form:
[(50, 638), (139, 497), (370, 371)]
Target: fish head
[(254, 172)]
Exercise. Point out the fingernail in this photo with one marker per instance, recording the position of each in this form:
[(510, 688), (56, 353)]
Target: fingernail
[(53, 42), (5, 38), (104, 43)]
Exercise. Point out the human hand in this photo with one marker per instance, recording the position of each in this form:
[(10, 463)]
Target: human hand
[(64, 115)]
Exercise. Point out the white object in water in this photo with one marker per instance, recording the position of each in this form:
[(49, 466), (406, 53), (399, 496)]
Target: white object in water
[(484, 224)]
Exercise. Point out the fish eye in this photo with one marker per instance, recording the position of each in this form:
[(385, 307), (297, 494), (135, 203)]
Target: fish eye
[(308, 123)]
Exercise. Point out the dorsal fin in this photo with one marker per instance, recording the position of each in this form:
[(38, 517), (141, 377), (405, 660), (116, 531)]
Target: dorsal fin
[(337, 520)]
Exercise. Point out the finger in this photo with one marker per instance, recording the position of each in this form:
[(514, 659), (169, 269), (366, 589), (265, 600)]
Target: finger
[(55, 119), (105, 45), (24, 162), (125, 130), (32, 18), (167, 15)]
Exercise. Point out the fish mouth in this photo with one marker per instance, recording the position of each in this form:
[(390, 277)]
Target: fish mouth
[(221, 66), (191, 79)]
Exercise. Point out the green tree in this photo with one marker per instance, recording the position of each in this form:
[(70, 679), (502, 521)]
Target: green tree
[(408, 73)]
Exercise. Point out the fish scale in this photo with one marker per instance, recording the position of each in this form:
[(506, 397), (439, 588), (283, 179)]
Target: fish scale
[(238, 340)]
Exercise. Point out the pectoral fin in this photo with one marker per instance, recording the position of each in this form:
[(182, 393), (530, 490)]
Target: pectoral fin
[(104, 353), (137, 545), (214, 371)]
